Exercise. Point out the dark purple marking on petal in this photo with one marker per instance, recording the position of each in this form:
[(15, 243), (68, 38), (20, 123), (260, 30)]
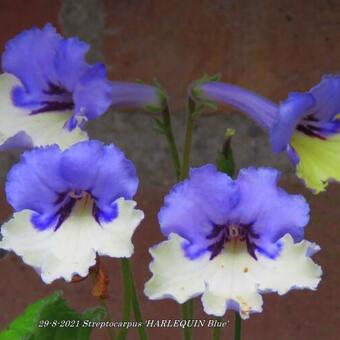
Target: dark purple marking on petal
[(309, 132), (217, 247), (95, 213), (221, 234), (215, 231), (60, 198), (55, 90), (64, 212), (251, 248), (53, 106)]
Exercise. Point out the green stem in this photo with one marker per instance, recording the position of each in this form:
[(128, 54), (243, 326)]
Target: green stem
[(188, 307), (238, 326), (190, 304), (217, 330), (188, 138), (110, 330), (127, 297), (171, 140), (185, 316), (135, 305)]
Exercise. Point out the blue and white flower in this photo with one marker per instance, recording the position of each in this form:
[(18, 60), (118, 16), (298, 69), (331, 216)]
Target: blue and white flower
[(306, 125), (48, 91), (71, 206), (231, 240)]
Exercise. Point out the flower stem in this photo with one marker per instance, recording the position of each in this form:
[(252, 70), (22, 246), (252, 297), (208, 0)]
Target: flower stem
[(238, 326), (217, 330), (188, 137), (110, 330), (171, 140), (185, 316), (135, 305), (127, 297), (188, 307)]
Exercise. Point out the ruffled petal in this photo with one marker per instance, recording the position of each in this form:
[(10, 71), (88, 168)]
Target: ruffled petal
[(290, 112), (195, 206), (72, 248), (293, 269), (233, 280), (29, 56), (229, 285), (174, 275), (18, 129), (269, 210), (319, 160), (101, 170), (34, 183), (54, 76), (327, 98)]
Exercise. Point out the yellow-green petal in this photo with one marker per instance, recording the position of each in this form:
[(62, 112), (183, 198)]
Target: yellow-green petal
[(319, 160)]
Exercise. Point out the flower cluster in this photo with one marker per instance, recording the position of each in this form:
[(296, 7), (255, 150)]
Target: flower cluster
[(228, 240)]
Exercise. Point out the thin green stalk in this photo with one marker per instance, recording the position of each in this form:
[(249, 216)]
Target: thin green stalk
[(238, 327), (190, 304), (217, 330), (171, 140), (135, 305), (127, 297), (185, 316), (110, 330), (188, 307), (188, 138)]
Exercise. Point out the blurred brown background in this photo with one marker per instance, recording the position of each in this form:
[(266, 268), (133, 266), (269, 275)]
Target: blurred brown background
[(269, 46)]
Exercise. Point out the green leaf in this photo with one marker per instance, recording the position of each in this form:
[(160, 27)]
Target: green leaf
[(225, 159), (51, 319), (159, 126)]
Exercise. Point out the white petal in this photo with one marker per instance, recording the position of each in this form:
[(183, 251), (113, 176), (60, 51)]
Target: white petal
[(233, 279), (43, 129), (174, 275), (72, 248), (230, 286), (293, 269)]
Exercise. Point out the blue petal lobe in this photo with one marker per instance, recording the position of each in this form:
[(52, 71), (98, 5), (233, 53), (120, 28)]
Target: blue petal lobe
[(291, 111), (29, 56), (270, 210), (327, 98), (34, 183), (55, 75), (195, 206), (93, 93), (101, 170)]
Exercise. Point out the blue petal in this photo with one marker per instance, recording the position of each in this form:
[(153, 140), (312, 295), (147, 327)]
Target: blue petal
[(102, 171), (19, 141), (93, 93), (34, 183), (327, 98), (55, 75), (195, 206), (29, 56), (290, 113), (270, 210)]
